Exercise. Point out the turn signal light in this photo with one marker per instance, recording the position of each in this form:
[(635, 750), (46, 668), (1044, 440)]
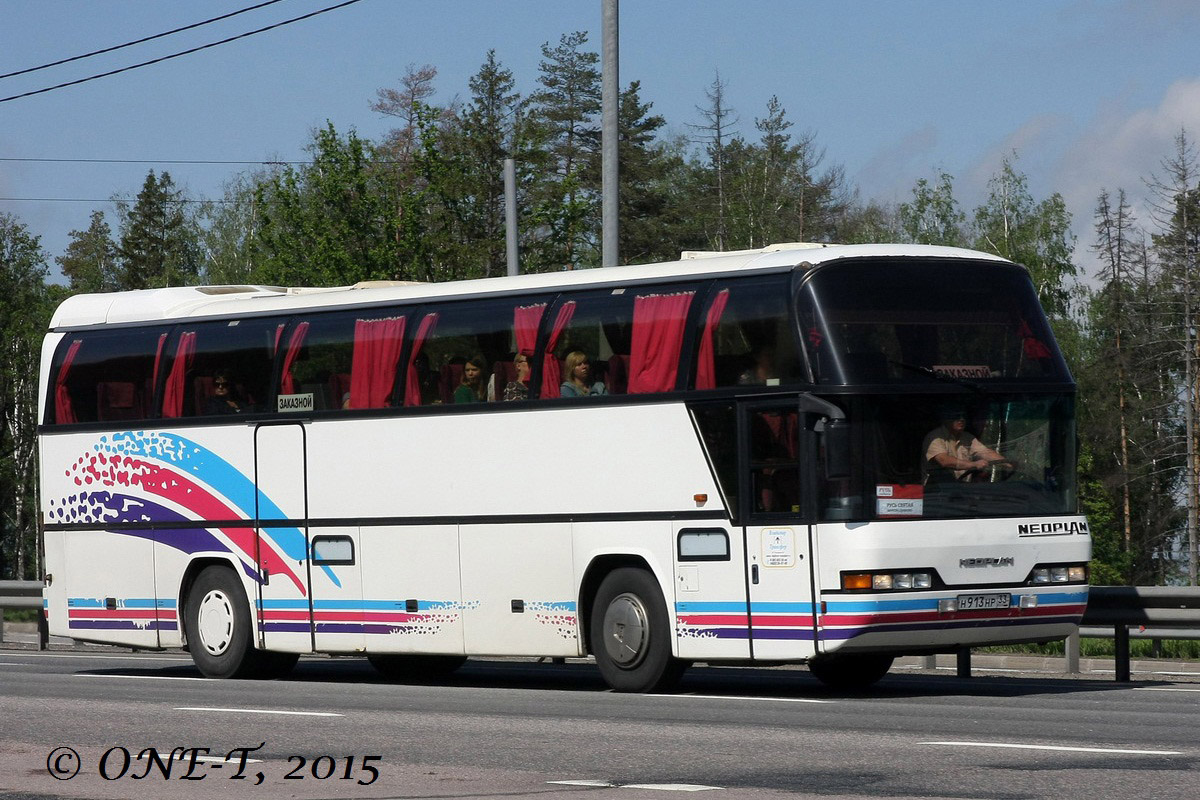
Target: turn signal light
[(857, 581)]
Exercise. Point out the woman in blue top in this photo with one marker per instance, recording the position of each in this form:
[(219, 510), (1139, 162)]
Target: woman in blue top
[(577, 372)]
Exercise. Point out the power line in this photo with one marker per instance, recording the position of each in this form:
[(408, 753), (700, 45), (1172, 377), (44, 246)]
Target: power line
[(177, 55), (136, 41), (270, 163)]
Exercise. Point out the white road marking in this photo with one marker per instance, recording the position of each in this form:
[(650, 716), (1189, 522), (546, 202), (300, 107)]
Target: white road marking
[(142, 677), (1162, 689), (662, 787), (222, 760), (1059, 748), (743, 697), (261, 711), (670, 787), (130, 657)]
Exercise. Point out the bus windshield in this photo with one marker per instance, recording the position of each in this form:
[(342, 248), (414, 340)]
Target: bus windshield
[(919, 321), (940, 456)]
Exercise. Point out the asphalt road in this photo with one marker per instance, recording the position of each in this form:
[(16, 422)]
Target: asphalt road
[(519, 729)]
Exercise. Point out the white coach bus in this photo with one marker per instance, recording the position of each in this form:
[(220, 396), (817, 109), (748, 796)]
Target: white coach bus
[(821, 454)]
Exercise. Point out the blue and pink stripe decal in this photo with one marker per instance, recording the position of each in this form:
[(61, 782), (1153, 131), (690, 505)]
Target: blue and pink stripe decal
[(131, 613), (846, 619)]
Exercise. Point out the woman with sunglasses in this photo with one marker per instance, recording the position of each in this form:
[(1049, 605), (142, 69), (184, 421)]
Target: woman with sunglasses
[(222, 401)]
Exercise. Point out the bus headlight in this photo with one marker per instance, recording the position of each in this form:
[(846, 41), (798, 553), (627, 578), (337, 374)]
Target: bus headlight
[(1064, 573), (886, 581)]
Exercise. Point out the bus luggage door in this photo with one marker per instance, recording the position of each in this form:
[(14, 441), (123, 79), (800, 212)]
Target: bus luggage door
[(283, 604), (775, 453)]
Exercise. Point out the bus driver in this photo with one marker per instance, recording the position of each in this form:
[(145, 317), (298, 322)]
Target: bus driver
[(951, 450)]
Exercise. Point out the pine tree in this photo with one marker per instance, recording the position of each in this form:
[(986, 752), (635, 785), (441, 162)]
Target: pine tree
[(564, 110), (158, 243), (90, 261)]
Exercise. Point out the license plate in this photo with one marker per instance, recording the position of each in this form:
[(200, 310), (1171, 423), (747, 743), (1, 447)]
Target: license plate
[(983, 602)]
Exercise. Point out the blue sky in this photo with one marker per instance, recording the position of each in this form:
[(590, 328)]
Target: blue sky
[(1090, 93)]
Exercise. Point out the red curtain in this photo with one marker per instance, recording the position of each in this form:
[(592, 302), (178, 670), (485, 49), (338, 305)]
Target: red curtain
[(377, 344), (64, 411), (551, 369), (658, 328), (706, 368), (176, 388), (1033, 346), (158, 354), (287, 384), (412, 390)]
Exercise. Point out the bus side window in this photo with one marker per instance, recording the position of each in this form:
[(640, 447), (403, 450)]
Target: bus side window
[(103, 376), (243, 349), (745, 336)]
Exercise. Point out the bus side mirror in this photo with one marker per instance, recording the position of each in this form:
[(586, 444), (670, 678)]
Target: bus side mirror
[(837, 449)]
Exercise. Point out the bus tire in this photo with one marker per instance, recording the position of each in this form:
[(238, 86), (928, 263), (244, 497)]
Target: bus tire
[(631, 633), (850, 672), (404, 667), (219, 630)]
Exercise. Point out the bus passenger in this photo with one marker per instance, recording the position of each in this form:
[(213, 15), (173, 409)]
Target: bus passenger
[(223, 400), (472, 388), (519, 389), (577, 372), (953, 453)]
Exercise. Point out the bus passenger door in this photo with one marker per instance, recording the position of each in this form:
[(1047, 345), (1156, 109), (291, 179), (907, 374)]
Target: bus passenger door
[(283, 604), (775, 453)]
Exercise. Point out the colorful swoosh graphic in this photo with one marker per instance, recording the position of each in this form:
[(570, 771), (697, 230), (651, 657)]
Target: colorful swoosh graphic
[(173, 479)]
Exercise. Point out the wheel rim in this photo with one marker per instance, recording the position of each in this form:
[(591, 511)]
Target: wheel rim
[(626, 630), (214, 622)]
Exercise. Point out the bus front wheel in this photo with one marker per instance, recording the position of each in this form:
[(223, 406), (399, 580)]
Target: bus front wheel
[(850, 672), (219, 634), (631, 633)]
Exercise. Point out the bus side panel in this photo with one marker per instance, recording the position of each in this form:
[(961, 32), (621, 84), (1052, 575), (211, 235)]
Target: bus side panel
[(54, 595), (710, 610), (412, 594), (116, 603), (520, 592)]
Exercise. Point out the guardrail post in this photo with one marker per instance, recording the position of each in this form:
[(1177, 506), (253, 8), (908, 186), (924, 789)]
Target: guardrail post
[(43, 631), (1121, 657), (963, 658), (1072, 650), (930, 662), (1, 626)]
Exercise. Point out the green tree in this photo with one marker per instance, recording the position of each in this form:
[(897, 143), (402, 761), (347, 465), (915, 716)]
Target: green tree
[(228, 240), (331, 222), (23, 317), (90, 261), (646, 210), (158, 241), (1036, 234), (564, 111), (934, 216), (1177, 248), (490, 128)]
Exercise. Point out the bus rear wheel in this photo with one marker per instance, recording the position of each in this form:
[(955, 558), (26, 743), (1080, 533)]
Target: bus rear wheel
[(631, 633), (219, 630), (850, 672), (403, 667)]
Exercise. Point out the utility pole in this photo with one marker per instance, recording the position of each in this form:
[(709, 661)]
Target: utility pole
[(510, 215), (609, 99)]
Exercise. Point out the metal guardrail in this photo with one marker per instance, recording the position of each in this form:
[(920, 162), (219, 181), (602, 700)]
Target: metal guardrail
[(1155, 612), (24, 594)]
